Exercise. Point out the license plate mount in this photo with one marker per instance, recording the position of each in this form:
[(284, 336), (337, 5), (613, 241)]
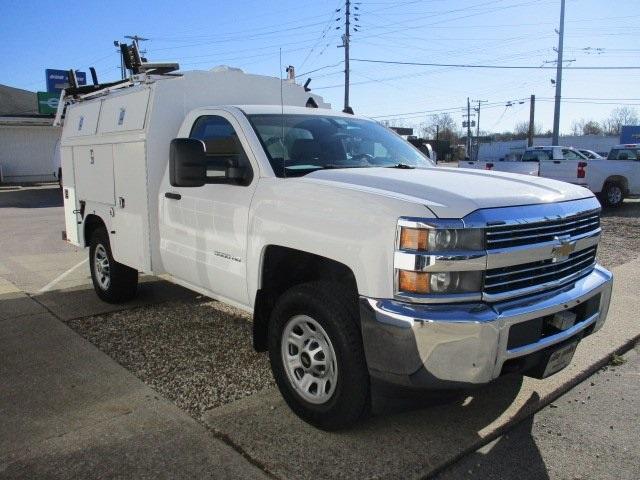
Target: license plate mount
[(559, 359)]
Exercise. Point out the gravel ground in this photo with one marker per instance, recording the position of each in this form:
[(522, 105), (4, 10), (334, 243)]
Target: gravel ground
[(621, 234), (199, 355)]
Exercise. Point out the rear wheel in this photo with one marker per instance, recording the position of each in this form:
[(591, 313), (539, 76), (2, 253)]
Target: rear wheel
[(317, 357), (112, 281), (612, 194)]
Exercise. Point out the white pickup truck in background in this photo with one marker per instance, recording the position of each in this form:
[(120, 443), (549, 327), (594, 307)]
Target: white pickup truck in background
[(612, 178), (529, 163)]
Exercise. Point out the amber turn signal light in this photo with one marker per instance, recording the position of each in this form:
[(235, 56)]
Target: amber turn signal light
[(413, 282), (414, 238)]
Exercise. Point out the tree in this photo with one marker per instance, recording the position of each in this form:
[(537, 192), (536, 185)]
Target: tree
[(619, 116), (591, 128), (445, 125), (585, 127), (577, 127), (521, 130)]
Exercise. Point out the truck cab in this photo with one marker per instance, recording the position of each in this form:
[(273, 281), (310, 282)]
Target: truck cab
[(357, 257)]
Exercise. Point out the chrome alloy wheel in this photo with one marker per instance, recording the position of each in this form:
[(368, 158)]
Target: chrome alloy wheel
[(101, 267), (309, 359), (614, 194)]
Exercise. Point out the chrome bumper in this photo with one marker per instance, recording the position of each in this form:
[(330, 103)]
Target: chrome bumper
[(456, 345)]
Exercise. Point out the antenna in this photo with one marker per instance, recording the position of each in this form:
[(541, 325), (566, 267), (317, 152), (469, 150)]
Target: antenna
[(284, 167)]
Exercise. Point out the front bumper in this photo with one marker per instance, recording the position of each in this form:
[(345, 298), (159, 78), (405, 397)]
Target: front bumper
[(458, 345)]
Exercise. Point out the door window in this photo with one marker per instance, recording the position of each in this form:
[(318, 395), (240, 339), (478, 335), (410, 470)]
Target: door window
[(568, 154), (624, 154), (222, 147)]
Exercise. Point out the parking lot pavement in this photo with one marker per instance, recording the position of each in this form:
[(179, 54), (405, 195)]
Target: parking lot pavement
[(33, 253), (67, 410), (591, 432), (418, 438)]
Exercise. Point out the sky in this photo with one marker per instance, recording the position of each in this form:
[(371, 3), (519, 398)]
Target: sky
[(250, 34)]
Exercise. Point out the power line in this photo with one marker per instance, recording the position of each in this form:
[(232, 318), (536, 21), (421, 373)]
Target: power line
[(516, 67)]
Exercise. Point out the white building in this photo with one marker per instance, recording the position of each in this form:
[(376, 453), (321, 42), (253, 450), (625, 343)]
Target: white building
[(27, 140), (27, 149)]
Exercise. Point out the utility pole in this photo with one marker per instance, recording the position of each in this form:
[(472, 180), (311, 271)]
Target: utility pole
[(477, 109), (556, 111), (136, 39), (468, 128), (116, 44), (345, 41), (532, 109)]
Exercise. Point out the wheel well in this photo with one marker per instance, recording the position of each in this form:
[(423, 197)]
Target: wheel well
[(91, 224), (283, 268), (620, 180)]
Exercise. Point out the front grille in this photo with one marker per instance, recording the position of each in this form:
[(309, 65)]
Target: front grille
[(539, 232), (516, 277)]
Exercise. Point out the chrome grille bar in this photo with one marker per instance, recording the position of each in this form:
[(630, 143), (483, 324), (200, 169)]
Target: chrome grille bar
[(514, 278), (531, 233)]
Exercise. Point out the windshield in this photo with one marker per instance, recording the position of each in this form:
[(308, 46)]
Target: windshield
[(300, 144)]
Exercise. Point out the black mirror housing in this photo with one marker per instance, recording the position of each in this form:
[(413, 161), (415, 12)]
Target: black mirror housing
[(187, 163)]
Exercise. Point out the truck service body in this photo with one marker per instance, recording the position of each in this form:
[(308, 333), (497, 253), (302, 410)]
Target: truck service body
[(372, 264)]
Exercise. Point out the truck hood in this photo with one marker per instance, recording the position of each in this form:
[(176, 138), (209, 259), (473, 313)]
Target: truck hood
[(452, 192)]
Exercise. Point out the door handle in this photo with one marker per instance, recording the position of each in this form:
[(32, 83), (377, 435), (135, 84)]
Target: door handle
[(173, 196), (556, 161)]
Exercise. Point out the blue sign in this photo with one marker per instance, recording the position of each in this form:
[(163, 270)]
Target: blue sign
[(630, 134), (59, 79)]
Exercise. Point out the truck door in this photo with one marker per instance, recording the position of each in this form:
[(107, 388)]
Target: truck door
[(563, 166), (203, 230)]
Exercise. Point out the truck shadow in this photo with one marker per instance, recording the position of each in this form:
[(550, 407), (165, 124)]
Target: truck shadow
[(45, 197)]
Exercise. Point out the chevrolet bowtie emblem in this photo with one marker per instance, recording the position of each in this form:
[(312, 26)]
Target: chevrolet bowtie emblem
[(562, 251)]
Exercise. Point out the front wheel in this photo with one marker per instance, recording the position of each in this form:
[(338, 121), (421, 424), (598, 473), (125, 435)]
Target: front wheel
[(612, 194), (112, 281), (317, 357)]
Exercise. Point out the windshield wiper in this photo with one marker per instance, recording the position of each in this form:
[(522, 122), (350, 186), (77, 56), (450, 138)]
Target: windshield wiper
[(401, 165)]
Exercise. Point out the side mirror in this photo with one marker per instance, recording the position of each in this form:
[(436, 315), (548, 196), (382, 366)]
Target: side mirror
[(236, 173), (187, 163)]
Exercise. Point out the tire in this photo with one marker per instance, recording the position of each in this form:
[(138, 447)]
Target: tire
[(112, 281), (612, 194), (322, 319)]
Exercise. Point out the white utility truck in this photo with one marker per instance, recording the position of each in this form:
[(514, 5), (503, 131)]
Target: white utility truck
[(358, 257)]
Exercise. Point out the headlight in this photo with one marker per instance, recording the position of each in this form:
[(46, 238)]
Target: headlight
[(441, 239), (439, 282), (438, 257)]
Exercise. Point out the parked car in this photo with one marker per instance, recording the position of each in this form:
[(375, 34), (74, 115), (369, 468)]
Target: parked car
[(358, 258)]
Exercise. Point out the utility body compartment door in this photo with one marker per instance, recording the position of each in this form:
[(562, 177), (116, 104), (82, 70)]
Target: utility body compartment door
[(130, 222), (94, 173)]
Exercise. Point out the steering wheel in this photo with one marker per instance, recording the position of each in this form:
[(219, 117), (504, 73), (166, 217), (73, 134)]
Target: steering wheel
[(364, 158), (272, 141)]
